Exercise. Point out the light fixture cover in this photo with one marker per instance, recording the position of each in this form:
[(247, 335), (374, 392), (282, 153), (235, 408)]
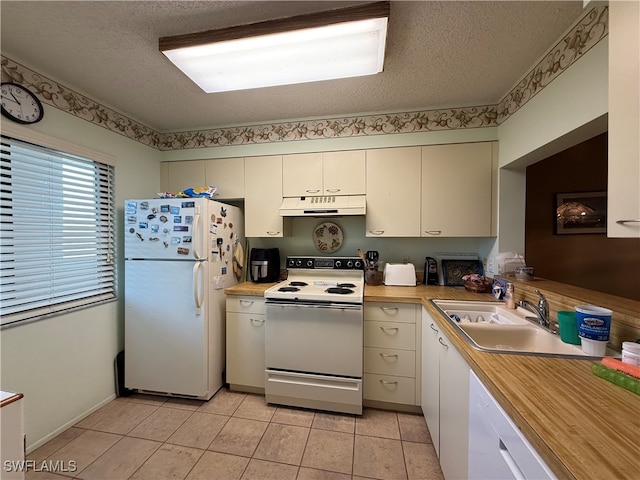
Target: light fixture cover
[(323, 48)]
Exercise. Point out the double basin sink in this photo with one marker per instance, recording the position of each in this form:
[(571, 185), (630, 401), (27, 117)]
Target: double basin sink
[(491, 327)]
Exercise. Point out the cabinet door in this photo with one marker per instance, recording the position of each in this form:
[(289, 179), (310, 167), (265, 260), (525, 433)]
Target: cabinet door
[(454, 410), (302, 175), (393, 192), (227, 175), (430, 394), (184, 174), (245, 349), (623, 202), (457, 190), (263, 197), (343, 173)]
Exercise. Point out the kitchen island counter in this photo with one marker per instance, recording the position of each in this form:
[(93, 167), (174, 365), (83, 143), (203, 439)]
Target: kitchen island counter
[(581, 425)]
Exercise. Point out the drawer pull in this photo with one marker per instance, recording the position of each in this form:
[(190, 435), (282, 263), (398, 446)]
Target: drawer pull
[(389, 310), (622, 222), (433, 232), (433, 327), (272, 233), (389, 355), (390, 329), (388, 382), (376, 232), (442, 342), (257, 321), (312, 191), (246, 303)]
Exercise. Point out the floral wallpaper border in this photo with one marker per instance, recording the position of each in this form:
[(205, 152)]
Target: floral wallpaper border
[(587, 32)]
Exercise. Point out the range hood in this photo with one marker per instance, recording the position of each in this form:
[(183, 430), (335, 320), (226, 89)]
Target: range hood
[(323, 206)]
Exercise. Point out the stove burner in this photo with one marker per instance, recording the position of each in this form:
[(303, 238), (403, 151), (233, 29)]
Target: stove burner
[(298, 284), (346, 285), (339, 290), (288, 289)]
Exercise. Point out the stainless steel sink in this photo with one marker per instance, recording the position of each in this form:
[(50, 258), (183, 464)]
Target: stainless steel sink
[(489, 326)]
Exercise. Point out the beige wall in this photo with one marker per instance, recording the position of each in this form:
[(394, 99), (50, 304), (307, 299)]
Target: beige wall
[(64, 365)]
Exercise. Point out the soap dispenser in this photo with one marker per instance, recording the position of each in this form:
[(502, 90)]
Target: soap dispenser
[(509, 296)]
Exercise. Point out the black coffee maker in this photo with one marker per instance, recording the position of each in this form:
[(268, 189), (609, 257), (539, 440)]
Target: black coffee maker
[(264, 265)]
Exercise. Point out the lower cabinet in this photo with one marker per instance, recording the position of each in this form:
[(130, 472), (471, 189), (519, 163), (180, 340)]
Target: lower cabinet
[(445, 398), (391, 353), (245, 343), (13, 443)]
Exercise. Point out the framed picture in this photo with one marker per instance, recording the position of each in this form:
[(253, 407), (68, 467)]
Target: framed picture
[(581, 212)]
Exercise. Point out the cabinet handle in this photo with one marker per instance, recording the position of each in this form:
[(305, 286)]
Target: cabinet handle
[(246, 303), (333, 190), (442, 342), (622, 222), (376, 232), (395, 329), (389, 355), (433, 232), (433, 327), (312, 191), (388, 382), (389, 310), (273, 233), (257, 321)]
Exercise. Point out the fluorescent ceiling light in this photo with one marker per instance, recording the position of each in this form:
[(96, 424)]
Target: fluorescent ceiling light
[(341, 43)]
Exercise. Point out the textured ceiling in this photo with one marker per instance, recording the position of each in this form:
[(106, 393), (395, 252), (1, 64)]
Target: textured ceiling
[(439, 54)]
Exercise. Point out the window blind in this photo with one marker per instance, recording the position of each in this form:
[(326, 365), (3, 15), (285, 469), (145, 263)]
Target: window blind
[(57, 236)]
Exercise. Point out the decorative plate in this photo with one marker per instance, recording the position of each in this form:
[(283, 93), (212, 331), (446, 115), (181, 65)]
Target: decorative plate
[(454, 270), (328, 237)]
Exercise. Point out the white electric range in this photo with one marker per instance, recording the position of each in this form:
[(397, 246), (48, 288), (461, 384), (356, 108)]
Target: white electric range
[(313, 335)]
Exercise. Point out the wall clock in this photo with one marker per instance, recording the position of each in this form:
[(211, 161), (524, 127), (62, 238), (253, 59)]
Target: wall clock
[(19, 104)]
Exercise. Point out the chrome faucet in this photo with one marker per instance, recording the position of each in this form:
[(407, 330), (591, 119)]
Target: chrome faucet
[(541, 310)]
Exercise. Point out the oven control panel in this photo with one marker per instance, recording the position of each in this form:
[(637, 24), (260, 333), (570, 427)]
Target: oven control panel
[(325, 263)]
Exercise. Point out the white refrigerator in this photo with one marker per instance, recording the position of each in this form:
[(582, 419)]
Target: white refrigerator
[(180, 254)]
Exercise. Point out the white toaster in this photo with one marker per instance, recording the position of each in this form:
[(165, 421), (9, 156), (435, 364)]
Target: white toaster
[(400, 274)]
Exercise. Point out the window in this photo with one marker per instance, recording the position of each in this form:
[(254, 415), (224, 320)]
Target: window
[(57, 221)]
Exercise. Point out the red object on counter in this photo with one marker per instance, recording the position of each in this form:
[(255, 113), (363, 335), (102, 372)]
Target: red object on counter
[(621, 366)]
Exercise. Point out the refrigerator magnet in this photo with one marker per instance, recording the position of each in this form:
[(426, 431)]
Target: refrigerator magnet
[(223, 270), (188, 204), (175, 240), (223, 212), (177, 219), (175, 210), (213, 228), (144, 205), (132, 219), (155, 228), (188, 219), (163, 219), (143, 225), (186, 239), (183, 251), (165, 208), (139, 237), (166, 245), (151, 216)]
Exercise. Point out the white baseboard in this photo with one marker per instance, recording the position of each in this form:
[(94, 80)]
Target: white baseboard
[(70, 423)]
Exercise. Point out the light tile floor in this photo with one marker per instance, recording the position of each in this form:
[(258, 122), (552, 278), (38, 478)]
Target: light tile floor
[(236, 436)]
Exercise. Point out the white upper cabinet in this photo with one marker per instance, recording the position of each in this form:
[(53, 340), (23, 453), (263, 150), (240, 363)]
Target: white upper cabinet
[(623, 202), (457, 190), (393, 192), (227, 175), (263, 197), (178, 176), (343, 173), (302, 175), (328, 173)]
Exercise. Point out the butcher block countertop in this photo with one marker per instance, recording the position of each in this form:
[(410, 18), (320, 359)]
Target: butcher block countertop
[(581, 425)]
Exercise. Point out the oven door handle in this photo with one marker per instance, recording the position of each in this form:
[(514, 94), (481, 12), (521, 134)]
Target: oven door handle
[(334, 306)]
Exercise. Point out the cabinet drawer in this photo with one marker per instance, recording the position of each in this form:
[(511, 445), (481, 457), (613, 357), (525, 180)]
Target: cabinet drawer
[(390, 312), (390, 335), (390, 362), (387, 388), (246, 304)]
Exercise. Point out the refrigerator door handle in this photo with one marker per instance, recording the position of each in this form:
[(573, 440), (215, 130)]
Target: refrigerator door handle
[(198, 290), (197, 236)]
